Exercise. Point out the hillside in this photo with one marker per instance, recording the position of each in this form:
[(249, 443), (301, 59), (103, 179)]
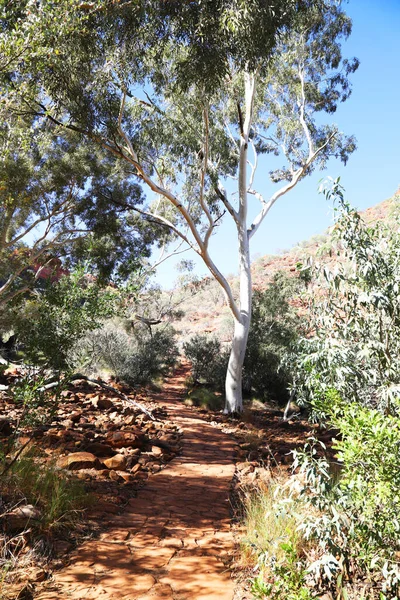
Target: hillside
[(203, 302)]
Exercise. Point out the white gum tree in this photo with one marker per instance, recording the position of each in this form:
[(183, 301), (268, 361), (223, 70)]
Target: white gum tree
[(184, 143), (192, 143)]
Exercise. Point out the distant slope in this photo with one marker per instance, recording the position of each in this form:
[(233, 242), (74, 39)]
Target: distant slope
[(204, 306)]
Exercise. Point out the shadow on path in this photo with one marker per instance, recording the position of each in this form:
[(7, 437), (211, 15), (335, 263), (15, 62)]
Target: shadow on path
[(173, 540)]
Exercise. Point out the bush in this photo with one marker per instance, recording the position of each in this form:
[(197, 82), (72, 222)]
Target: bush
[(348, 373), (272, 544), (274, 328), (355, 316), (354, 518), (49, 325), (209, 361), (136, 358)]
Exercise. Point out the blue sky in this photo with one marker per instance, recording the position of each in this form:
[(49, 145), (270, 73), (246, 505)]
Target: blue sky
[(372, 174)]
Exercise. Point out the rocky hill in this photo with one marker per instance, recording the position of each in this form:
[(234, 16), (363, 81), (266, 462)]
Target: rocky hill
[(203, 302)]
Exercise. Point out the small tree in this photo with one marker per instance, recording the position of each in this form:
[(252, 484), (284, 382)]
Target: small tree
[(182, 137), (356, 316)]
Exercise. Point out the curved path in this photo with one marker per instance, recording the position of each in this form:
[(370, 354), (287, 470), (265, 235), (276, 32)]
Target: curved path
[(173, 541)]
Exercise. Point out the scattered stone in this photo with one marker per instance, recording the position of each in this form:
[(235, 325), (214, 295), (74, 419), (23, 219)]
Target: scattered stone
[(113, 475), (78, 460), (132, 438), (117, 462), (21, 517), (130, 462), (99, 449), (127, 477), (156, 450), (40, 575)]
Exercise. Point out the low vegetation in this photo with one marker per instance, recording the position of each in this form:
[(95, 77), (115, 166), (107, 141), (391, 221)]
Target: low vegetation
[(345, 372)]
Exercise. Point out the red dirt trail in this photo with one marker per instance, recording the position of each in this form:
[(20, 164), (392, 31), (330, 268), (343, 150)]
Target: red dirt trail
[(173, 541)]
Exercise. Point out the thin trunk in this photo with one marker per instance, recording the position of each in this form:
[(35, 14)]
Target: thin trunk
[(233, 382)]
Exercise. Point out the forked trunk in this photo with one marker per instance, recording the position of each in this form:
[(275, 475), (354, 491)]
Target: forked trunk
[(233, 382)]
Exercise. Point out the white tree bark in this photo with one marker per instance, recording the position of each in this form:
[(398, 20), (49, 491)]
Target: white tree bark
[(233, 382)]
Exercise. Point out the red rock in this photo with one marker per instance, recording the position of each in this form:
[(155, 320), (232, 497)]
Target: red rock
[(99, 449), (78, 460), (21, 517), (114, 476), (132, 438), (102, 403), (156, 450), (115, 462)]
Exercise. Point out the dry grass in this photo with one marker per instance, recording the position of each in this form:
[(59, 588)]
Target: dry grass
[(59, 498), (271, 516)]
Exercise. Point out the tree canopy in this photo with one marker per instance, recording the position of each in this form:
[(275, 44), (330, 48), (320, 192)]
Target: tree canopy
[(179, 97)]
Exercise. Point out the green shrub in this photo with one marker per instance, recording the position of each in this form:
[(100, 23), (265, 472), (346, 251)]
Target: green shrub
[(59, 498), (355, 316), (209, 361), (49, 325), (354, 518), (272, 544), (136, 358), (273, 330), (205, 398)]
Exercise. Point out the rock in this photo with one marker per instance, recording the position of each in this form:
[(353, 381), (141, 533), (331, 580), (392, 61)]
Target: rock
[(21, 517), (75, 416), (129, 420), (117, 462), (78, 460), (6, 428), (40, 575), (132, 438), (156, 450), (153, 467), (99, 449), (130, 462), (102, 403), (136, 468), (127, 477), (114, 476)]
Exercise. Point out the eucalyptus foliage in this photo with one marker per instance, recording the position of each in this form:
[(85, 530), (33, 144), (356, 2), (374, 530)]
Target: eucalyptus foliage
[(182, 96), (356, 315)]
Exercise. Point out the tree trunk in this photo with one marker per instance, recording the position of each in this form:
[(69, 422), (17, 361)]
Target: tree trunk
[(233, 382)]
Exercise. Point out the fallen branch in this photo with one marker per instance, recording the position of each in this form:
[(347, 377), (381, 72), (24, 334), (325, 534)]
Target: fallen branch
[(114, 391), (56, 382)]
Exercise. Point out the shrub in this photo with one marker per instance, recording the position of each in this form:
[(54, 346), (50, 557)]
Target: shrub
[(354, 518), (59, 498), (355, 316), (136, 358), (209, 361), (273, 330), (272, 544), (348, 373), (49, 325)]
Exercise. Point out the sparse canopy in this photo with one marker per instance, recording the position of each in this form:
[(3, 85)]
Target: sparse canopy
[(182, 96)]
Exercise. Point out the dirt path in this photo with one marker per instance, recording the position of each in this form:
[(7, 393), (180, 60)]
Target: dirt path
[(173, 541)]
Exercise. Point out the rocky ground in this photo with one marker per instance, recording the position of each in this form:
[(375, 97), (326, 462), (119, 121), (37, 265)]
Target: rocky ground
[(160, 524)]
